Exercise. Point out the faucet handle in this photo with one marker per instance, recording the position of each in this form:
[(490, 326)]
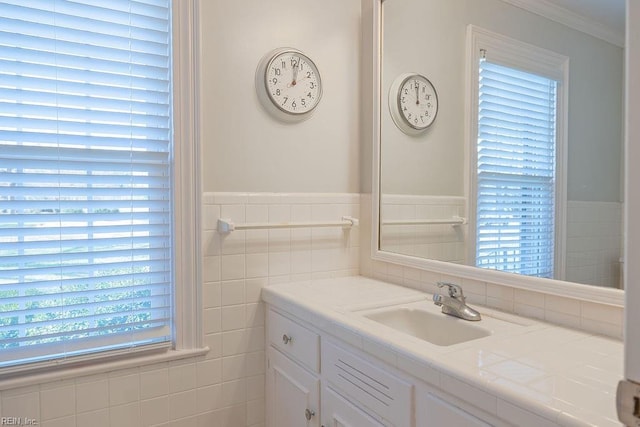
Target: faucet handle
[(455, 291)]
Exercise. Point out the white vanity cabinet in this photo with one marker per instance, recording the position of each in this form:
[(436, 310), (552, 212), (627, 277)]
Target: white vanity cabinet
[(385, 396), (316, 380), (433, 411), (293, 394), (292, 382), (337, 411)]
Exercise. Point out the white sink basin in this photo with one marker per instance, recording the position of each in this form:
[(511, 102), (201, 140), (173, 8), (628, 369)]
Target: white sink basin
[(434, 327)]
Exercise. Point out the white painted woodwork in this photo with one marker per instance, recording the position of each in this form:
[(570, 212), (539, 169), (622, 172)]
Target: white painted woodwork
[(339, 412), (291, 390), (357, 390), (438, 413), (381, 392), (297, 341), (632, 197)]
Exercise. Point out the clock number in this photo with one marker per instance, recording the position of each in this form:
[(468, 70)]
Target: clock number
[(309, 95), (284, 64), (277, 92), (276, 71), (293, 104), (406, 92), (312, 85), (308, 74), (286, 98), (303, 102), (403, 100), (274, 80)]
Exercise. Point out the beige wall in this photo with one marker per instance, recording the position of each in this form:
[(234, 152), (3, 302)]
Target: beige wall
[(244, 149), (429, 37)]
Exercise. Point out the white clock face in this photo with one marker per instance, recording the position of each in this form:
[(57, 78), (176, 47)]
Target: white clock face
[(417, 101), (292, 82), (413, 103)]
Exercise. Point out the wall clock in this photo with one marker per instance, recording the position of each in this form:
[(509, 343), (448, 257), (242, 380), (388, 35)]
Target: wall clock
[(413, 103), (288, 84)]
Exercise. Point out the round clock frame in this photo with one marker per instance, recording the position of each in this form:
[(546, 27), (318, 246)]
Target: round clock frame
[(413, 103), (288, 84)]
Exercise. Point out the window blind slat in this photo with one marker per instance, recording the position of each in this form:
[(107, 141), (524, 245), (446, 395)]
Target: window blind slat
[(47, 273), (115, 181), (80, 112), (38, 38), (78, 249), (157, 278), (515, 171), (74, 157), (48, 224), (506, 143), (95, 103), (85, 178), (76, 326), (68, 15), (499, 108), (85, 88), (514, 124), (76, 309)]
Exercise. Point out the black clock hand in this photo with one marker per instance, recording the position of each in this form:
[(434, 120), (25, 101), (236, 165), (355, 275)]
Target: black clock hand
[(296, 67)]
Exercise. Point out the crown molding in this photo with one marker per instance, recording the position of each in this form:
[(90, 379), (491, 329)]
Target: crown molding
[(571, 19)]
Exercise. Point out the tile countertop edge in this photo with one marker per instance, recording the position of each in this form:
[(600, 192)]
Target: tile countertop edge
[(425, 367)]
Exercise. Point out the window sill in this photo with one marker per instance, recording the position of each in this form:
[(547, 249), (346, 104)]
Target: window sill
[(28, 379)]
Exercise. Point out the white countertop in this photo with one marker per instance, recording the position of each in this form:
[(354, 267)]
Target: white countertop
[(529, 372)]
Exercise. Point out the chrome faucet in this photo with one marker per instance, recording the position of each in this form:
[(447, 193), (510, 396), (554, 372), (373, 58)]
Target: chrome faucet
[(454, 303)]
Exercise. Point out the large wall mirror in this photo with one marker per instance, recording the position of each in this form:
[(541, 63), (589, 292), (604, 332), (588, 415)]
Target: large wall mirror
[(430, 201)]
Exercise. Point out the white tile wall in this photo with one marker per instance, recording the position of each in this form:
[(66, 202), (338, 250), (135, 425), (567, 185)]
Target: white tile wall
[(588, 316), (226, 387), (594, 243), (435, 241)]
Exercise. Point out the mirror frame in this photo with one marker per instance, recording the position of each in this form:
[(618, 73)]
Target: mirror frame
[(561, 288)]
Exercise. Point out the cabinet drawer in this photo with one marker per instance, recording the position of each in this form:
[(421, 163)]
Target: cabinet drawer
[(294, 340), (385, 396)]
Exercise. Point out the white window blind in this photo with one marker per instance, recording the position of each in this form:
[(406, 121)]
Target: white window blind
[(85, 179), (516, 171)]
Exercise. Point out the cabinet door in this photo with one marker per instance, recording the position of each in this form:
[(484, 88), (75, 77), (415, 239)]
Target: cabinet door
[(435, 412), (293, 394), (338, 412)]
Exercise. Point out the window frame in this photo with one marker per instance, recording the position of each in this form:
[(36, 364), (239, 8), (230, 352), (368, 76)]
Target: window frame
[(524, 56), (186, 191)]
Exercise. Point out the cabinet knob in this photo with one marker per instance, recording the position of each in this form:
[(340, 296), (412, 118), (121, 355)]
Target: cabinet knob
[(286, 339), (308, 414)]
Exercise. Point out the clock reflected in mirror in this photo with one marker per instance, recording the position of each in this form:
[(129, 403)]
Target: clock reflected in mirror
[(413, 103)]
